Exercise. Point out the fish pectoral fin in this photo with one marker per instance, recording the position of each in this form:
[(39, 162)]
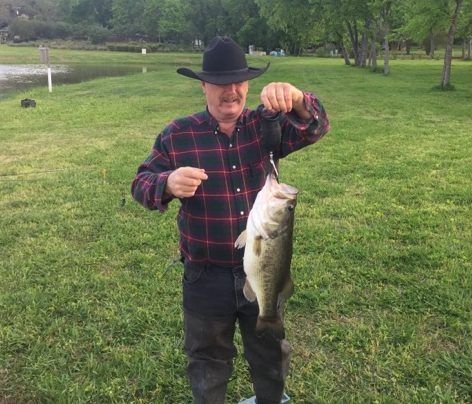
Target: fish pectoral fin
[(241, 240), (248, 292)]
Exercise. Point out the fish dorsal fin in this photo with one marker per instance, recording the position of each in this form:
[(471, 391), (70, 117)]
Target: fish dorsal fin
[(248, 292), (241, 240)]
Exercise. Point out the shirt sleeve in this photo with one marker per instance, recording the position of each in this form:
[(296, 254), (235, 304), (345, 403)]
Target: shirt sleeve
[(148, 187), (297, 132)]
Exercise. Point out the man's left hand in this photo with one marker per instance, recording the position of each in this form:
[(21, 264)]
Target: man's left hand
[(284, 97)]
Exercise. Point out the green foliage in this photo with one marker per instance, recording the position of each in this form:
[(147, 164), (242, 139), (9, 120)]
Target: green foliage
[(127, 16), (296, 19), (33, 29), (97, 34), (464, 27), (292, 25), (426, 18)]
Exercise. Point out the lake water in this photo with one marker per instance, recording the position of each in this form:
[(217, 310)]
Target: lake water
[(23, 77)]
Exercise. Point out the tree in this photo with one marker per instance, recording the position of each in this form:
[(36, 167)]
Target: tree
[(332, 25), (90, 11), (127, 17), (173, 24), (446, 74), (247, 25), (297, 19), (382, 11), (7, 14), (464, 29), (354, 14), (426, 19), (207, 19)]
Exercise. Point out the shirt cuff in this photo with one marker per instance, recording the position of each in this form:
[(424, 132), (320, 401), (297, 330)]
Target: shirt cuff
[(162, 200), (309, 100)]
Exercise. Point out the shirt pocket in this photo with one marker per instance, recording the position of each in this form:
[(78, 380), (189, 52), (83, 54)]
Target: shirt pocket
[(257, 174)]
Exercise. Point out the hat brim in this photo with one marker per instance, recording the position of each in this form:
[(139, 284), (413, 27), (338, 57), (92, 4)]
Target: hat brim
[(224, 77)]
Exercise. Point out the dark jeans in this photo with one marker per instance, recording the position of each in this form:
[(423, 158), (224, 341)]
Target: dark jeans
[(213, 301)]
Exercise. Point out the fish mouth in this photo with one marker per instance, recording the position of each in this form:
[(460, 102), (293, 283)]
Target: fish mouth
[(288, 189), (281, 190)]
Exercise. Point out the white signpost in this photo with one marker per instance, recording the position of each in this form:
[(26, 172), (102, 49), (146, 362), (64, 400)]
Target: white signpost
[(44, 57)]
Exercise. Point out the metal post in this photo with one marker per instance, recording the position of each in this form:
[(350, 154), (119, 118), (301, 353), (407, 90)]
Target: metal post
[(44, 57)]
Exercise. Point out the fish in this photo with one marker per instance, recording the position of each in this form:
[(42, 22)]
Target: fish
[(268, 243)]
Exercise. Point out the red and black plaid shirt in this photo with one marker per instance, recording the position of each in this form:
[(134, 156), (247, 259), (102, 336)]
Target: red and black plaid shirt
[(211, 220)]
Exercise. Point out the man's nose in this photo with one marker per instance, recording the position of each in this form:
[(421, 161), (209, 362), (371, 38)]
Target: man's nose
[(231, 87)]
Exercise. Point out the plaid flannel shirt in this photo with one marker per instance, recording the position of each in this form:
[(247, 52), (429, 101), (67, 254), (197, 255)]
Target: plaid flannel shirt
[(211, 220)]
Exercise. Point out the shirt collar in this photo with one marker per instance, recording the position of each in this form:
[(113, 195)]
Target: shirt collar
[(213, 123)]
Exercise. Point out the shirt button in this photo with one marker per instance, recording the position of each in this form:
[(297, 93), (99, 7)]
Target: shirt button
[(238, 189), (234, 167), (242, 213)]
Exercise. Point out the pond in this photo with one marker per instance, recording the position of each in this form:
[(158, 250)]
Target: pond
[(23, 77)]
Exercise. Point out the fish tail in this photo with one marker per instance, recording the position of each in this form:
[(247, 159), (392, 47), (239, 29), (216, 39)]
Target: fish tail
[(271, 325)]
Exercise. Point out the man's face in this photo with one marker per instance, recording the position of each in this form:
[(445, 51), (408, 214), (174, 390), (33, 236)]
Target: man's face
[(226, 101)]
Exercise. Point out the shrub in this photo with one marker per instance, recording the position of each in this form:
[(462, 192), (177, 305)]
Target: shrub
[(27, 30), (97, 34)]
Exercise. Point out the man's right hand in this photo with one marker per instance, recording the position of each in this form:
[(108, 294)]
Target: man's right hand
[(184, 181)]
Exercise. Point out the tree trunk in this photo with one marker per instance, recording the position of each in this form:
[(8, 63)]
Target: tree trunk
[(364, 43), (386, 69), (363, 53), (340, 44), (432, 45), (446, 74), (469, 50), (373, 55), (345, 53), (354, 41)]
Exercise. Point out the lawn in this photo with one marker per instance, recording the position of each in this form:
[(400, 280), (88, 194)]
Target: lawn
[(90, 300)]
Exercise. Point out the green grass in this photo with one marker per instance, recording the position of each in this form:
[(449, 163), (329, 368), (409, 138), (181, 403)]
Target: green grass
[(90, 303)]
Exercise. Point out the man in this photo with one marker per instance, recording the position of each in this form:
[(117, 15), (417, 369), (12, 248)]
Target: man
[(215, 162)]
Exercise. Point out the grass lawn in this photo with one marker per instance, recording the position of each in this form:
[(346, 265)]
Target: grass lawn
[(90, 294)]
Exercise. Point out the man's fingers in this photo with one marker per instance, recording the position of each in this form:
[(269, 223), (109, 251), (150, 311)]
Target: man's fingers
[(190, 182), (184, 181), (278, 97), (284, 100), (193, 172)]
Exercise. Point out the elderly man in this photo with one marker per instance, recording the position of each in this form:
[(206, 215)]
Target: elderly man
[(215, 163)]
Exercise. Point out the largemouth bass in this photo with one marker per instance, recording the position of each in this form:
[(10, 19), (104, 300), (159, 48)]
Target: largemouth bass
[(268, 254)]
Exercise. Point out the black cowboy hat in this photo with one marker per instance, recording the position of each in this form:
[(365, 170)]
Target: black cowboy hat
[(224, 62)]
